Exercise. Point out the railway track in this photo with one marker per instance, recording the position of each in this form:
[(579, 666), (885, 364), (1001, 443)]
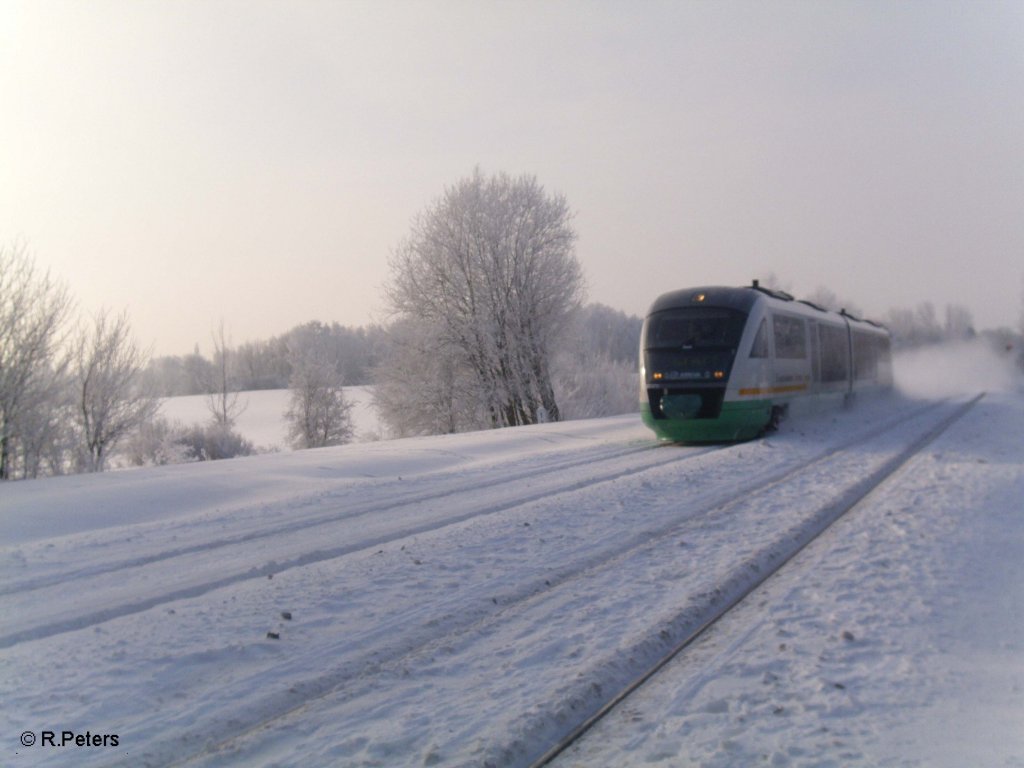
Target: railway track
[(829, 514), (281, 555), (531, 594), (409, 634), (333, 513), (274, 549)]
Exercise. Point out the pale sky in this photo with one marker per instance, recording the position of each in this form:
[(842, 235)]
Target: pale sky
[(257, 162)]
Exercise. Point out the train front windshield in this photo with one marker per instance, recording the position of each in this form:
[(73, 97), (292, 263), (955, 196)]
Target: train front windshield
[(692, 343)]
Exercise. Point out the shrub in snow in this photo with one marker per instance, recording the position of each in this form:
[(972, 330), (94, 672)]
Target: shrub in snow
[(159, 442), (155, 443), (212, 442)]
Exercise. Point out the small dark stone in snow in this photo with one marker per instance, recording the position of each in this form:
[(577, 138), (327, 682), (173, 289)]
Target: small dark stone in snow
[(494, 600), (270, 575), (526, 525), (286, 615), (273, 636), (840, 686), (417, 562), (848, 636)]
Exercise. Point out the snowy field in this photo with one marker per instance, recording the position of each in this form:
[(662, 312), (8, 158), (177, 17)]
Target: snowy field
[(459, 600), (262, 419)]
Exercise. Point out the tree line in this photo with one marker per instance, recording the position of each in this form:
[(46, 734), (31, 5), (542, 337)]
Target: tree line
[(487, 327), (267, 364)]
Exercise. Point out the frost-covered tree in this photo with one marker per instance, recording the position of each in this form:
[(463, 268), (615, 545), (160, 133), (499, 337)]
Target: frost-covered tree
[(318, 414), (421, 389), (222, 396), (491, 268), (45, 443), (34, 309), (109, 399), (596, 367)]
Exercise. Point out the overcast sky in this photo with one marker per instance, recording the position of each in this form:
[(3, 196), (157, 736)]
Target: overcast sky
[(257, 162)]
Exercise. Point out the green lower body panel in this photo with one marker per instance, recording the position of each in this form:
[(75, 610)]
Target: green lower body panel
[(737, 421)]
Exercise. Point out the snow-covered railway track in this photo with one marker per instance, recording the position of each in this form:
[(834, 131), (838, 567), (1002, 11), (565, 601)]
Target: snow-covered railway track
[(44, 607), (742, 585), (184, 571), (515, 600), (166, 541), (543, 592)]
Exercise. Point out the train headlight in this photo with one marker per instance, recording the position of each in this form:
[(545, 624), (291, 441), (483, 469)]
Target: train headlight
[(657, 376), (719, 374)]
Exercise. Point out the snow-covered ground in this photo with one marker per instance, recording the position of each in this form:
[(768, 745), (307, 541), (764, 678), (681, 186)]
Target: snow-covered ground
[(458, 600), (896, 639), (262, 418)]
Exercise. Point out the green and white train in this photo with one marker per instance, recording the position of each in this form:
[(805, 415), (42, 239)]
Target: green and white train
[(723, 364)]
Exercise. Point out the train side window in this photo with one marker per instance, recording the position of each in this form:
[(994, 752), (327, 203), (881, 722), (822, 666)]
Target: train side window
[(834, 352), (790, 338), (760, 345)]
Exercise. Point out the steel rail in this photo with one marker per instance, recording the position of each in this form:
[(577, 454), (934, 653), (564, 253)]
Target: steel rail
[(642, 540), (329, 516), (321, 554), (828, 515)]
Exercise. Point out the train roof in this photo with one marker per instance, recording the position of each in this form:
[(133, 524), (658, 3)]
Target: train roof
[(743, 299)]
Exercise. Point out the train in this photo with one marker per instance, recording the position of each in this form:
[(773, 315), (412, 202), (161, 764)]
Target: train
[(721, 364)]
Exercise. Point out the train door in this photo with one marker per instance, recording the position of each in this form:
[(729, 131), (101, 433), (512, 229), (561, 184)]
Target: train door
[(792, 366)]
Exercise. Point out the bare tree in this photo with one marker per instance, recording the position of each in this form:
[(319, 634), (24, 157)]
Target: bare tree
[(318, 414), (491, 266), (222, 397), (34, 310), (109, 400)]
